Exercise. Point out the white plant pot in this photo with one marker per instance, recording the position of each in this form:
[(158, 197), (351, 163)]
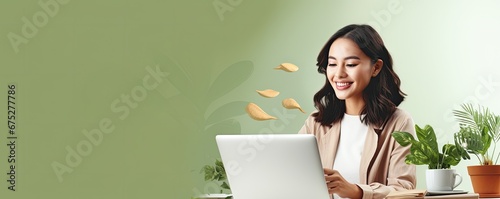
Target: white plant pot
[(442, 179)]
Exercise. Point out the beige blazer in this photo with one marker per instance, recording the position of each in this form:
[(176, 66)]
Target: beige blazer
[(383, 166)]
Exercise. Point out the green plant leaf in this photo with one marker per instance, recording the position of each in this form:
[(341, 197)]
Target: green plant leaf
[(413, 159), (449, 161), (216, 173), (403, 138), (219, 167), (479, 127), (474, 118), (225, 185), (221, 172), (428, 140), (451, 156), (425, 151), (460, 147), (427, 136), (209, 172), (452, 150), (222, 177), (217, 177), (419, 151), (486, 140), (218, 163), (494, 126), (472, 141)]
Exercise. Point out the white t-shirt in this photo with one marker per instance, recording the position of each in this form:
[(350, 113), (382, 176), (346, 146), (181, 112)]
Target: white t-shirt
[(351, 145)]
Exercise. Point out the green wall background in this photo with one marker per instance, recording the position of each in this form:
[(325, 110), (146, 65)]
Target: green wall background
[(81, 59)]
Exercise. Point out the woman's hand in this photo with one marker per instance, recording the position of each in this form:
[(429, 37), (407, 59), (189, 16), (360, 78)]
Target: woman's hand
[(338, 185)]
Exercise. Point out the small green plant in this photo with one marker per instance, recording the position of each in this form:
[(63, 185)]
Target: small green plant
[(425, 150), (479, 128), (216, 173)]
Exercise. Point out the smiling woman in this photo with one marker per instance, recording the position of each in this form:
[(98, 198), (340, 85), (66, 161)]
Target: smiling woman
[(357, 113), (349, 71), (362, 56)]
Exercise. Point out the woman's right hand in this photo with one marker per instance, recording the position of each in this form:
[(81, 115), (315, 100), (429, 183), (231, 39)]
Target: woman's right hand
[(336, 184)]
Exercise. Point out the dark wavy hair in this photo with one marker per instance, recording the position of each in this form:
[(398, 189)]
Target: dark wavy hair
[(381, 96)]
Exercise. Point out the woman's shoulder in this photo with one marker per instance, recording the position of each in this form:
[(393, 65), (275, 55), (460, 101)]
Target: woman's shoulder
[(311, 119), (401, 114), (312, 126), (401, 119)]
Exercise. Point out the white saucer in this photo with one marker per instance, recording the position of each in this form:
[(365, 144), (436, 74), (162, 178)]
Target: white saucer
[(213, 196), (456, 191)]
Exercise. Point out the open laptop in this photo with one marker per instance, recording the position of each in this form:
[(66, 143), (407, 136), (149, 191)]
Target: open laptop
[(271, 166)]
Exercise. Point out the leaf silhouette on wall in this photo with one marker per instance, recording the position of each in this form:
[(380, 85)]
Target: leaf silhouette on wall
[(178, 76), (226, 111), (230, 78), (230, 126), (189, 108), (182, 110)]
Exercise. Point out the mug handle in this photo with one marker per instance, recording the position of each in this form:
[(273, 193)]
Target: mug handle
[(459, 181)]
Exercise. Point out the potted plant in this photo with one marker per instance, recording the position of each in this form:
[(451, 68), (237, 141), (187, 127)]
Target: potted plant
[(216, 173), (479, 131), (425, 151)]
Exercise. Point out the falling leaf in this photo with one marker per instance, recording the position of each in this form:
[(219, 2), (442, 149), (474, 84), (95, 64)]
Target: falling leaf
[(290, 103), (288, 67), (268, 93), (256, 113)]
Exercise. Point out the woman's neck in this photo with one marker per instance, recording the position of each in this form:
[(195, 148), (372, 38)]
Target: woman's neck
[(354, 106)]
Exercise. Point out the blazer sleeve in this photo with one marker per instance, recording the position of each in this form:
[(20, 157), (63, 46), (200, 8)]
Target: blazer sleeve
[(401, 176)]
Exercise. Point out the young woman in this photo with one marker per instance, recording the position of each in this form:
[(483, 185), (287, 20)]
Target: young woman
[(356, 114)]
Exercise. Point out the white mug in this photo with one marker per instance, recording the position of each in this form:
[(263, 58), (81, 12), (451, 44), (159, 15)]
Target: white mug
[(442, 179)]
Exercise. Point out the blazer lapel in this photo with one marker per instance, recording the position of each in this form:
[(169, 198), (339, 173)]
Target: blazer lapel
[(330, 144), (369, 151)]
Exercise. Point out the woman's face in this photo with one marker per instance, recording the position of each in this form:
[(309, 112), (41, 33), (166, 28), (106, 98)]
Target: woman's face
[(349, 70)]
